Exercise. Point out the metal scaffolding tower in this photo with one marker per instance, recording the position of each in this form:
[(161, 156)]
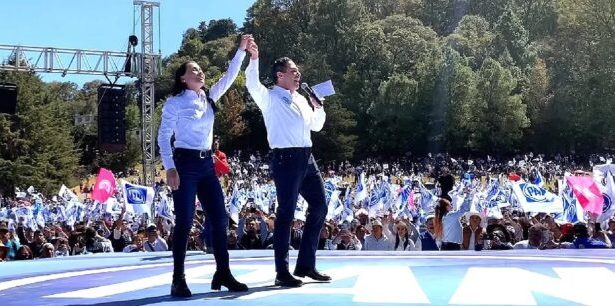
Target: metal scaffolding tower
[(107, 63), (147, 75)]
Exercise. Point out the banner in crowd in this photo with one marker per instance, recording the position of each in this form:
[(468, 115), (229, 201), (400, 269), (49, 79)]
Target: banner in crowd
[(67, 194), (139, 199), (573, 212), (533, 198), (608, 209), (105, 186), (587, 193), (361, 190)]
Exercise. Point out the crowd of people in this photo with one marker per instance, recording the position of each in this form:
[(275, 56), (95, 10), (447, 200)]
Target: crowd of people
[(445, 226)]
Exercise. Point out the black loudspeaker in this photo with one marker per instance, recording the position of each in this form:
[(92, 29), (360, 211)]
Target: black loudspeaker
[(112, 117), (8, 98)]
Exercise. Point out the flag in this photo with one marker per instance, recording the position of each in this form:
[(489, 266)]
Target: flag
[(600, 172), (301, 209), (587, 193), (164, 209), (406, 198), (361, 192), (538, 179), (235, 204), (608, 209), (105, 186), (334, 205), (329, 188), (573, 212), (4, 214), (67, 194), (532, 198), (493, 189), (348, 198), (138, 199), (427, 198)]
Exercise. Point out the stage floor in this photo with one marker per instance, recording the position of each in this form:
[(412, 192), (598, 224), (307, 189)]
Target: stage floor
[(520, 277)]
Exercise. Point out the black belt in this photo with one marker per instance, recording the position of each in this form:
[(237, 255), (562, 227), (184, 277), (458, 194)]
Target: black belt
[(181, 152), (292, 150)]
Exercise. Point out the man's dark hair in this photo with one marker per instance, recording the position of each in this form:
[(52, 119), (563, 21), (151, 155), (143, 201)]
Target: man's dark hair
[(280, 65), (580, 230), (3, 231)]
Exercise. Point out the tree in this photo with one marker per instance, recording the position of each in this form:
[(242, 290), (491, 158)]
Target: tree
[(499, 113), (38, 147), (217, 29), (472, 39), (511, 37)]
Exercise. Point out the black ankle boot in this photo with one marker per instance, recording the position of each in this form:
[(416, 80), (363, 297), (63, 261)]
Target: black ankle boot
[(179, 288), (227, 280)]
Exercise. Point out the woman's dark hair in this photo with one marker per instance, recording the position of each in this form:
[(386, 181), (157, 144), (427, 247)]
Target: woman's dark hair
[(178, 85), (90, 233), (441, 209), (21, 235), (280, 65), (28, 254), (597, 228), (407, 236)]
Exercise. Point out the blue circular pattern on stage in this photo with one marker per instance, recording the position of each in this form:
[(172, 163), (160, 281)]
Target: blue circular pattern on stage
[(520, 277)]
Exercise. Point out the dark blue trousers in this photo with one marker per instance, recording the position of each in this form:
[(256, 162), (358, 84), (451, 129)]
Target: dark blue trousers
[(197, 178), (295, 172)]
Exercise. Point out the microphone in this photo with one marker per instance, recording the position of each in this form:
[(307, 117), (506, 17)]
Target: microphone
[(310, 92)]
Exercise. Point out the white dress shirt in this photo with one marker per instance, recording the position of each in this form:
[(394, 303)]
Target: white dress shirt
[(451, 223), (288, 117), (191, 117), (374, 244), (157, 246)]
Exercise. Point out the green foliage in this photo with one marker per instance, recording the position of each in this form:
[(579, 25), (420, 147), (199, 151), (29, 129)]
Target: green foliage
[(37, 143)]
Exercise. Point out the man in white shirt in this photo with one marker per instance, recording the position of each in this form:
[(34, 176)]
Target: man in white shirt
[(154, 243), (377, 241), (290, 118)]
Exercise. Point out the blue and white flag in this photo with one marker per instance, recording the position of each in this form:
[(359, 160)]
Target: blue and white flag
[(533, 198), (493, 189), (361, 191), (427, 198), (608, 208), (4, 214), (301, 209), (165, 207), (538, 179), (329, 188), (37, 212), (600, 172), (67, 194), (573, 212), (235, 204), (139, 199), (334, 207)]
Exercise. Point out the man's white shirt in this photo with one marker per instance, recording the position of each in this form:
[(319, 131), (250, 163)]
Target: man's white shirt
[(288, 117), (157, 246)]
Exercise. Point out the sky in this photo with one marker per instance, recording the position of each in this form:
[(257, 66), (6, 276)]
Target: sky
[(105, 24)]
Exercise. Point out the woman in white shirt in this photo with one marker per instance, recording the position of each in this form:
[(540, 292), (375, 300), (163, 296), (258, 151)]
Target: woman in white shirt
[(401, 238), (188, 115)]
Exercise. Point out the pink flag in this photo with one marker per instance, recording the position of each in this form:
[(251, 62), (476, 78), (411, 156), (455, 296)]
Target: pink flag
[(105, 186), (411, 205), (587, 192)]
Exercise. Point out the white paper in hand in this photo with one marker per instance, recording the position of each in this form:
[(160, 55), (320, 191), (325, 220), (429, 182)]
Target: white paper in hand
[(324, 89)]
